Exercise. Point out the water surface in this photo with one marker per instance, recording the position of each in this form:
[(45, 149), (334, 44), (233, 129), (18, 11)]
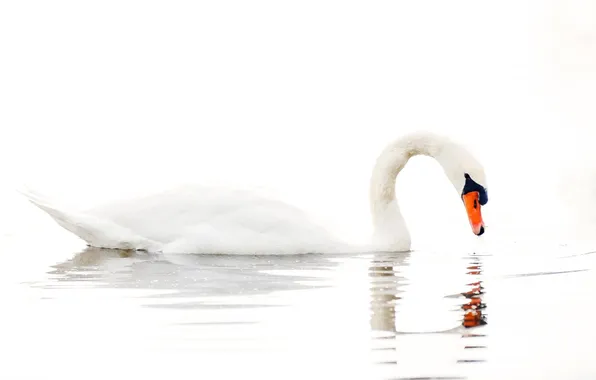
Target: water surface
[(98, 314)]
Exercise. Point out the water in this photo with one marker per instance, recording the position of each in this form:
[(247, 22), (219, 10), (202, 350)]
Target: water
[(74, 312)]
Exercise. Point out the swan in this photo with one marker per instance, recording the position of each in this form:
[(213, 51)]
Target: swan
[(210, 220)]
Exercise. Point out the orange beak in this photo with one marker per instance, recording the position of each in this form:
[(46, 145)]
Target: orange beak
[(472, 203)]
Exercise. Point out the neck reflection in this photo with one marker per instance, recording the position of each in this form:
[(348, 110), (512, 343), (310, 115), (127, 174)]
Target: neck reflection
[(417, 323), (388, 287), (384, 290)]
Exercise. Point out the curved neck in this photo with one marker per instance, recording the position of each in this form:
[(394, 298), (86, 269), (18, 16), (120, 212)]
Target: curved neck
[(391, 162), (390, 229)]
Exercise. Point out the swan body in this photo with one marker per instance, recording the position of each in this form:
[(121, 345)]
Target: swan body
[(197, 219)]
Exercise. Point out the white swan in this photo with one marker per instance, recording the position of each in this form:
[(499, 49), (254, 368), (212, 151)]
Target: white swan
[(196, 219)]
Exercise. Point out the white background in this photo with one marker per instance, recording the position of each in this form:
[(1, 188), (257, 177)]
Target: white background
[(100, 100)]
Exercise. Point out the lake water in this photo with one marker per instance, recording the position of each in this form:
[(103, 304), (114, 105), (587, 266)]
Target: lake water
[(71, 312)]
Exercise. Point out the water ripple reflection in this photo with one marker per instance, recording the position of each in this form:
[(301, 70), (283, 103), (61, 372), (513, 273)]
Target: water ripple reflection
[(416, 320), (417, 315), (187, 276)]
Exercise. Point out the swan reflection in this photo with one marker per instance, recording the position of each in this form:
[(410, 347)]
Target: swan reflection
[(187, 276), (402, 319), (388, 286)]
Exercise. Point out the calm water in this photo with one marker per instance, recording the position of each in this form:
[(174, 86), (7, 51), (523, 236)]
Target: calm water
[(71, 312)]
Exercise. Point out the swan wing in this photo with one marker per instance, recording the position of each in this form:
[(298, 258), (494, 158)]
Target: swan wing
[(96, 232), (177, 213)]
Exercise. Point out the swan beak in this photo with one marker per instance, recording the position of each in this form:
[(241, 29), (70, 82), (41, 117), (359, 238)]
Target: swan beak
[(472, 203)]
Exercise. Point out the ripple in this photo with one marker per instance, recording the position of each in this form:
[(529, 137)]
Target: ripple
[(545, 273), (423, 314)]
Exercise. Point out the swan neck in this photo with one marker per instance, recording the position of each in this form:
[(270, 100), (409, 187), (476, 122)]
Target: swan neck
[(389, 227), (391, 162)]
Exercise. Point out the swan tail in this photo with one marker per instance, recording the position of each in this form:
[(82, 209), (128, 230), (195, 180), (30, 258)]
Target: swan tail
[(96, 232)]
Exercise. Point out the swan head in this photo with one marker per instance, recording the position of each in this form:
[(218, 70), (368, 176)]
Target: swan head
[(474, 197)]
